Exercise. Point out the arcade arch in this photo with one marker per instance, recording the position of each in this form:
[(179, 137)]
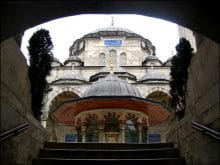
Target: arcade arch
[(60, 98), (160, 96)]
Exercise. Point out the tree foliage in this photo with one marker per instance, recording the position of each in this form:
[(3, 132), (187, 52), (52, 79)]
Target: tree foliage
[(179, 74), (40, 51)]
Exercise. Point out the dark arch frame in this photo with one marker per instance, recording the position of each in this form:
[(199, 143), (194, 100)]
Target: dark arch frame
[(19, 15)]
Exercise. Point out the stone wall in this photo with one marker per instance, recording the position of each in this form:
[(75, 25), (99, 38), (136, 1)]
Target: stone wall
[(202, 105), (16, 108)]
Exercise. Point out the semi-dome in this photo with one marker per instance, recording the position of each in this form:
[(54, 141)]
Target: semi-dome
[(154, 77), (111, 86), (72, 77), (119, 71)]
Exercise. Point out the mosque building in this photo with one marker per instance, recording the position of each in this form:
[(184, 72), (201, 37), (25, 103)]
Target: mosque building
[(112, 88)]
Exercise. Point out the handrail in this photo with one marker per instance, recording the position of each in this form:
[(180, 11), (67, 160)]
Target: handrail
[(14, 131), (206, 130)]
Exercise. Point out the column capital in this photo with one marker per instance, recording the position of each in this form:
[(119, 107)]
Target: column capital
[(84, 128)]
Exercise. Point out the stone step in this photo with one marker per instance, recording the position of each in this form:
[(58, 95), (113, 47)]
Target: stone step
[(162, 161), (107, 146), (109, 154)]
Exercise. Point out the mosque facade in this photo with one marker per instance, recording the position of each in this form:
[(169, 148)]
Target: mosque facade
[(111, 88)]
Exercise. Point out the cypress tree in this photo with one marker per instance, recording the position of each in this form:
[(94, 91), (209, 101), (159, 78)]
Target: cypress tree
[(179, 76), (40, 52)]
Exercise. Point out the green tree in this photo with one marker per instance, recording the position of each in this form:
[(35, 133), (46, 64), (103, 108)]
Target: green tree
[(40, 51), (179, 76)]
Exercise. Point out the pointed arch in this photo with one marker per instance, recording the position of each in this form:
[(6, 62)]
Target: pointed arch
[(102, 59), (48, 99), (113, 57), (123, 59), (160, 96)]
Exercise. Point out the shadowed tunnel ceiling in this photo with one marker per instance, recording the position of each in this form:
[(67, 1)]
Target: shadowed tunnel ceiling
[(17, 16)]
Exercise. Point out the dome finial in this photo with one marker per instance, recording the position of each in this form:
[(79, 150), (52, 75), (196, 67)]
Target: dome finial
[(112, 23), (111, 67)]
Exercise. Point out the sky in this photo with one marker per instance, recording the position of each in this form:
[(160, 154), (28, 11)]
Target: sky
[(64, 31)]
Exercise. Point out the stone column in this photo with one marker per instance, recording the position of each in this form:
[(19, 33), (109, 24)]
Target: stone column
[(122, 127), (44, 123), (139, 133), (44, 117), (83, 133), (101, 133), (75, 131)]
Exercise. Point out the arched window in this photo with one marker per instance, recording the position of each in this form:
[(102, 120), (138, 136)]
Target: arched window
[(92, 134), (102, 60), (113, 57), (111, 123), (151, 64), (130, 132), (123, 59)]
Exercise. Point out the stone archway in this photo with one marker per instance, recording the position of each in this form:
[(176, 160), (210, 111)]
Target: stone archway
[(190, 15), (154, 89), (55, 129), (60, 98), (53, 94), (14, 21)]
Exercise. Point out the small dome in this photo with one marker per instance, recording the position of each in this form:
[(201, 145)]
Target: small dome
[(111, 86), (149, 59), (55, 60), (73, 59), (168, 62)]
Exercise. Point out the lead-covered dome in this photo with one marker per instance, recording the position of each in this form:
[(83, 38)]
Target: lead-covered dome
[(154, 77), (151, 60), (111, 86), (113, 28), (79, 45)]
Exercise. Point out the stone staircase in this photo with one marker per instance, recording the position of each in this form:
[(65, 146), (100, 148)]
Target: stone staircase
[(108, 153)]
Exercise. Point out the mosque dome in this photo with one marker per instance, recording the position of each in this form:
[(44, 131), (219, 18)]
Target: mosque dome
[(111, 86), (112, 28), (111, 31), (79, 45)]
